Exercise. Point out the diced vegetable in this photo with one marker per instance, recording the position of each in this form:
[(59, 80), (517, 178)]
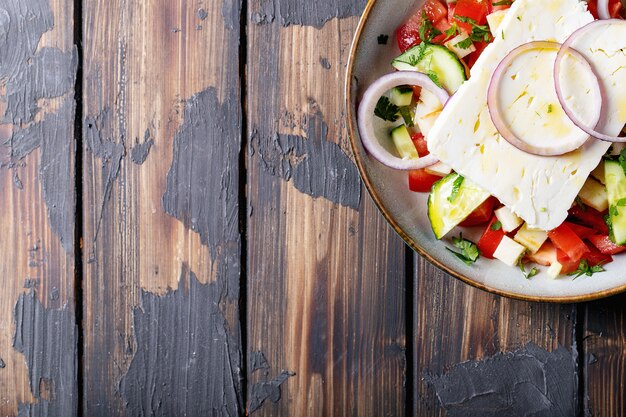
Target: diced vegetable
[(594, 195), (451, 200), (461, 45), (491, 238), (531, 238), (606, 245), (404, 145), (581, 231), (408, 34), (510, 221), (473, 9), (616, 189), (598, 173), (481, 215), (509, 251), (555, 270), (427, 111), (439, 168), (589, 217), (420, 144), (595, 257), (401, 96), (421, 181), (495, 19), (568, 264), (566, 240), (546, 255)]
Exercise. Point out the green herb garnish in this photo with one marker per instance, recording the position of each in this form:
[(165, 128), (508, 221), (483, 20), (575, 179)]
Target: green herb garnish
[(434, 77), (386, 110), (465, 43), (407, 115), (622, 159), (469, 251), (427, 31), (479, 32), (613, 211), (454, 30), (585, 269), (502, 3), (456, 187), (549, 108), (497, 225), (528, 275)]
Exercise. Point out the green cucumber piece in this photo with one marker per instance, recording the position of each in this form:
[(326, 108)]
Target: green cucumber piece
[(401, 96), (449, 204), (437, 61), (404, 145), (616, 191)]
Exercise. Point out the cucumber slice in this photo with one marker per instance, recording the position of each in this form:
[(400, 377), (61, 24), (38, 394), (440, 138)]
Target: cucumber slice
[(616, 190), (441, 64), (451, 200), (401, 96), (405, 146)]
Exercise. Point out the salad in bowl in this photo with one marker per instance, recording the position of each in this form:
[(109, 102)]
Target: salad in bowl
[(509, 116)]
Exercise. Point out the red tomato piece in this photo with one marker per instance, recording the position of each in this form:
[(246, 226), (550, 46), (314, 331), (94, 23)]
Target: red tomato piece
[(473, 9), (615, 8), (420, 144), (546, 255), (421, 181), (606, 245), (490, 240), (595, 257), (590, 218), (473, 57), (566, 240), (581, 231), (569, 265), (408, 34), (482, 214)]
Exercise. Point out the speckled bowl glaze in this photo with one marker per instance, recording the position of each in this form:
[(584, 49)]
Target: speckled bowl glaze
[(406, 211)]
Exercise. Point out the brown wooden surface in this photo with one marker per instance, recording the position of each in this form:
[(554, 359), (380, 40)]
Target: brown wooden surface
[(229, 260)]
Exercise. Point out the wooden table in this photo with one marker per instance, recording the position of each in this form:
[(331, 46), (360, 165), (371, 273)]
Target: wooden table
[(223, 256)]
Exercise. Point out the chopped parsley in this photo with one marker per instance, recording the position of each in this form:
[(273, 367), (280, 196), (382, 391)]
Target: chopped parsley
[(456, 187), (479, 32), (621, 202), (613, 211), (465, 43), (469, 252), (580, 203), (407, 115), (434, 77), (585, 269), (386, 110), (383, 39), (454, 30), (427, 31), (528, 275), (416, 56), (519, 18), (502, 3), (497, 225), (550, 108)]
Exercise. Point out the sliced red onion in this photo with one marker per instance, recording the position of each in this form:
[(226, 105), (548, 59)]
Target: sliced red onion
[(603, 9), (366, 117), (566, 48), (496, 115)]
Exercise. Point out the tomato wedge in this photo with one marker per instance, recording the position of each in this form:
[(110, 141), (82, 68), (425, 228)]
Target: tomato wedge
[(420, 144), (590, 218), (566, 240), (408, 34), (569, 265), (615, 8), (421, 181), (595, 257), (482, 214), (581, 231), (490, 240), (473, 9), (606, 245)]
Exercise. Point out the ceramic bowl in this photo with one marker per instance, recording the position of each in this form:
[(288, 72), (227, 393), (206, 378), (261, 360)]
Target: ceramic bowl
[(406, 211)]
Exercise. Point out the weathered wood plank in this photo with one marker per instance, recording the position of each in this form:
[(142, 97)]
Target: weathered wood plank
[(37, 200), (326, 275), (162, 246), (604, 342), (455, 323)]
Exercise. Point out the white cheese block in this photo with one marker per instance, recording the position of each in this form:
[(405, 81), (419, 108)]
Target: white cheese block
[(555, 270), (538, 189), (439, 169), (508, 219), (594, 195), (509, 251), (460, 52), (533, 239), (427, 111)]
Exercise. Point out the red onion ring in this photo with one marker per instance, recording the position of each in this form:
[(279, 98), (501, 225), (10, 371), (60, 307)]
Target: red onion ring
[(366, 117), (603, 9), (566, 48), (494, 108)]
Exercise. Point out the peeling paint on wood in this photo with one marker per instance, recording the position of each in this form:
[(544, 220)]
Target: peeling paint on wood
[(317, 166), (203, 181), (265, 390), (47, 339), (140, 151), (528, 381), (257, 361), (2, 364), (317, 13), (187, 357)]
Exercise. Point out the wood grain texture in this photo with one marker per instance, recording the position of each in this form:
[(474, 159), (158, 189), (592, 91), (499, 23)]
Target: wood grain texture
[(326, 275), (37, 321), (162, 133), (604, 341), (455, 323)]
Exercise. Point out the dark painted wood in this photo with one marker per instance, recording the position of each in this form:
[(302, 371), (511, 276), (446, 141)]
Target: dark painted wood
[(161, 177), (326, 275), (604, 341), (38, 374), (454, 323)]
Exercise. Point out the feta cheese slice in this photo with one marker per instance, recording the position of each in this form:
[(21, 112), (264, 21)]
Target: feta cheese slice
[(509, 251), (539, 189)]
